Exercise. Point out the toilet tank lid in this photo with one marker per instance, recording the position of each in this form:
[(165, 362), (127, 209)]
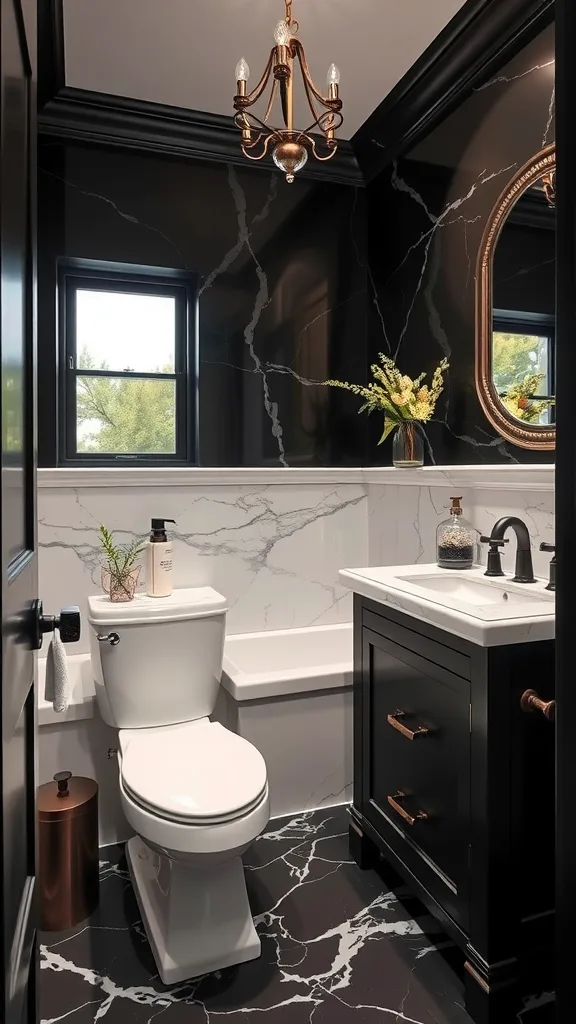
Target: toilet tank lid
[(187, 603)]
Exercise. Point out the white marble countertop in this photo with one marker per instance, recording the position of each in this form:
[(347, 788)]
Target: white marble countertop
[(489, 626)]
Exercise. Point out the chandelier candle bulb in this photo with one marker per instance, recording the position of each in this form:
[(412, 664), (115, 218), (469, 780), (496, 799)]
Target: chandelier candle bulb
[(333, 81), (282, 34), (242, 76)]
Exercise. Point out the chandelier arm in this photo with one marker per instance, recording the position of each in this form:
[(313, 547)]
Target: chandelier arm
[(273, 95), (242, 122), (284, 101), (308, 84), (259, 89), (307, 77), (317, 155), (264, 152), (267, 128), (334, 126)]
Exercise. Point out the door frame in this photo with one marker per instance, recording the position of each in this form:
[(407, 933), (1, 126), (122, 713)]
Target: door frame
[(565, 505)]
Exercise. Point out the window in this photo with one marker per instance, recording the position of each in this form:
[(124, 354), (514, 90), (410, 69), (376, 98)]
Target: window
[(128, 366), (524, 344)]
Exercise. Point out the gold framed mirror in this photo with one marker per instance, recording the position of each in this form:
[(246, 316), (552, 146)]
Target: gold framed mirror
[(515, 308)]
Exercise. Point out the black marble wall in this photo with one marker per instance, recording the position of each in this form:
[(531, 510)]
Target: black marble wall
[(426, 217), (282, 290)]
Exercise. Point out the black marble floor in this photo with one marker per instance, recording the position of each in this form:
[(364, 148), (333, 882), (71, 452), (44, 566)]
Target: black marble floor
[(337, 947)]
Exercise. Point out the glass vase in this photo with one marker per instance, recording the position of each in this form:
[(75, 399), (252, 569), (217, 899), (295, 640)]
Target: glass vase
[(120, 588), (407, 446)]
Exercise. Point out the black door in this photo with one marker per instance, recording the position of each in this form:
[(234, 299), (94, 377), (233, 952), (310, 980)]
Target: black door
[(18, 505)]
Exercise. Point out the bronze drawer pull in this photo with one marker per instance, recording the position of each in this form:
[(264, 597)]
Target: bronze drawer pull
[(411, 734), (392, 800), (530, 701)]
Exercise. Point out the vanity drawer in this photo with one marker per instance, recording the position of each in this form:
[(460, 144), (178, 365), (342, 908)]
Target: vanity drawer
[(419, 771)]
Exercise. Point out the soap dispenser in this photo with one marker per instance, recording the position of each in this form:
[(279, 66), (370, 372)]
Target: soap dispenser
[(159, 560), (456, 540)]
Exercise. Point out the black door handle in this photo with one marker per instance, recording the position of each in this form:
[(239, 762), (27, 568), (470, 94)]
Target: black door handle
[(68, 622)]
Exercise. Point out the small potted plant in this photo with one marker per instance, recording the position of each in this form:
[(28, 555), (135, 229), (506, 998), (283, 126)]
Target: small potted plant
[(404, 402), (120, 571)]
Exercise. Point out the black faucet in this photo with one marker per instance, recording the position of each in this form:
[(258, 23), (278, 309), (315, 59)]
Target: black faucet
[(524, 572)]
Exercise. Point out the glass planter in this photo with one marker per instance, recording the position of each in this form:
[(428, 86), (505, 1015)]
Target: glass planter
[(407, 445), (120, 588)]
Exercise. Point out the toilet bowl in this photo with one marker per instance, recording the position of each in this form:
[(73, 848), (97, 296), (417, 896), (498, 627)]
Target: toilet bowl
[(195, 794)]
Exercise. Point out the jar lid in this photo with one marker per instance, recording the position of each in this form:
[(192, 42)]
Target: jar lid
[(67, 796)]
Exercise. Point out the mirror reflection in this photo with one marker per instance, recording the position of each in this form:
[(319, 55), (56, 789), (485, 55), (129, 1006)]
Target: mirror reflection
[(523, 316)]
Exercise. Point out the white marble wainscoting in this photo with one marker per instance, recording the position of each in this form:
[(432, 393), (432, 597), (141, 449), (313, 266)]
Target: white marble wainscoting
[(272, 548), (272, 541), (402, 519)]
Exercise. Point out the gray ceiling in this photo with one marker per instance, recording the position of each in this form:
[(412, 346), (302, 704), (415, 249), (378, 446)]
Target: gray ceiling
[(184, 52)]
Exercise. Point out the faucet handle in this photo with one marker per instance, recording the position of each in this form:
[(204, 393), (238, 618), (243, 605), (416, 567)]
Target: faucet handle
[(494, 565), (552, 581)]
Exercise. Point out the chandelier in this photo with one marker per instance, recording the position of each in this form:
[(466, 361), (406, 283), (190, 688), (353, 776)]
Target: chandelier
[(290, 146)]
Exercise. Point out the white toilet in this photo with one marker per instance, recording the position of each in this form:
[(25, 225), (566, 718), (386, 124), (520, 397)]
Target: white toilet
[(195, 793)]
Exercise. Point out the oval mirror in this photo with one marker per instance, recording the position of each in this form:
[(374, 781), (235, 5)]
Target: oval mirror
[(515, 300)]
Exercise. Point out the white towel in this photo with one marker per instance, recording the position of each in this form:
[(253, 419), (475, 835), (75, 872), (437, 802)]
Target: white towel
[(57, 680)]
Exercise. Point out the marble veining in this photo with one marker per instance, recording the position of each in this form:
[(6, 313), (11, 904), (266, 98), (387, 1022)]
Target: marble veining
[(514, 78), (435, 201), (273, 300), (262, 299), (273, 551), (338, 945)]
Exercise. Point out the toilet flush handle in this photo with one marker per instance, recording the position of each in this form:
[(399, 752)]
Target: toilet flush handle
[(110, 638)]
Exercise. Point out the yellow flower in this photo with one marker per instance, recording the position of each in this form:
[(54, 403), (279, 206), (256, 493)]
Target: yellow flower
[(391, 391)]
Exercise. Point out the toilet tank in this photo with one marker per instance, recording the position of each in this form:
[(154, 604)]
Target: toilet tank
[(166, 666)]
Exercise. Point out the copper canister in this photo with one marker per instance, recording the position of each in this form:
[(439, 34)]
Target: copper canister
[(68, 885)]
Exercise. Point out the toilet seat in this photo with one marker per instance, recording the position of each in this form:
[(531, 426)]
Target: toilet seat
[(195, 773)]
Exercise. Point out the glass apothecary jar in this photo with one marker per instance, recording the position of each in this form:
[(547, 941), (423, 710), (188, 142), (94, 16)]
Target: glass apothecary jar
[(456, 540)]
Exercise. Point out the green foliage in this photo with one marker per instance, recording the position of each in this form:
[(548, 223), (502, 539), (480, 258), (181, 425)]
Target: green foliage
[(119, 558), (398, 396), (520, 401), (135, 415), (514, 357)]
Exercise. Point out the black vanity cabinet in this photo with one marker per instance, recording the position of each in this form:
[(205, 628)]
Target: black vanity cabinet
[(454, 786)]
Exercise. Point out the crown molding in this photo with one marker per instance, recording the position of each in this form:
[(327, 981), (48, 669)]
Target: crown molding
[(84, 116), (479, 40)]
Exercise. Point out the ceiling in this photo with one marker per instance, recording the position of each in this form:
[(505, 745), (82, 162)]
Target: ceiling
[(184, 52)]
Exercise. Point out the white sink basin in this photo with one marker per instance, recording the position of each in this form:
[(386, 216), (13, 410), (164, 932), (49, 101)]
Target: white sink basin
[(478, 593), (487, 610)]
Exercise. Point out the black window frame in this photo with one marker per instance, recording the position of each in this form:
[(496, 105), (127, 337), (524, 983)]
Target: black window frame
[(76, 275), (517, 321)]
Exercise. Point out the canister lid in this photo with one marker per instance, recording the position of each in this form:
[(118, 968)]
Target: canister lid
[(66, 797)]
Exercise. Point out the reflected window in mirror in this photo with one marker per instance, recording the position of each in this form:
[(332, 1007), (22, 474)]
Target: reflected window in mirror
[(523, 344), (516, 308)]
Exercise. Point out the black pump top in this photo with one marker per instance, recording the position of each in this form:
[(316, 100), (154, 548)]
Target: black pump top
[(159, 525)]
